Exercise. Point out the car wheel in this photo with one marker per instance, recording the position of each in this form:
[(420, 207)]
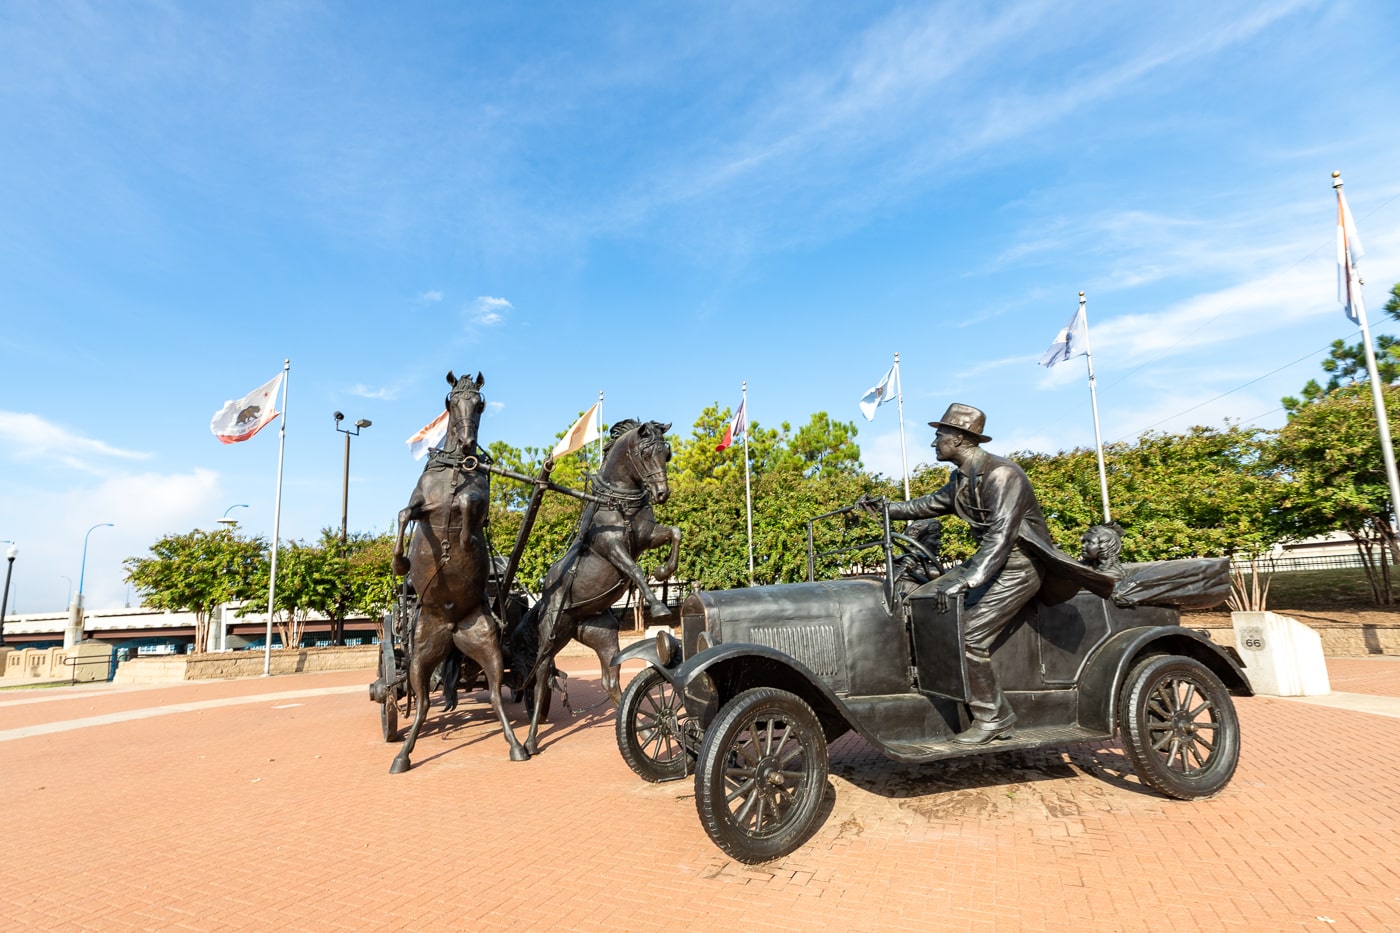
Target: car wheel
[(761, 775), (649, 730), (1179, 727)]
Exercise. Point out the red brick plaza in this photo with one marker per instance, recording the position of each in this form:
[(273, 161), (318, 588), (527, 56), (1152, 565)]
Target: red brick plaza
[(267, 803)]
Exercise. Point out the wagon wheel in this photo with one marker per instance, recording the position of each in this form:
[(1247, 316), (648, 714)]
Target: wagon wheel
[(1179, 727), (761, 775), (649, 732), (389, 706)]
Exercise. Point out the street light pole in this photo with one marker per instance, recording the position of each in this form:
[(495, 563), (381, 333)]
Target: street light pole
[(345, 483), (75, 612), (230, 522), (338, 624), (10, 554)]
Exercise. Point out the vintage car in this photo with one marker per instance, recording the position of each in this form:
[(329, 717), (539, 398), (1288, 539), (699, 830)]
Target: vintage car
[(763, 678)]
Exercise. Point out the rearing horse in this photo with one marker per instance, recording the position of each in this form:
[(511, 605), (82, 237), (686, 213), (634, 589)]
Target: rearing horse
[(447, 563), (580, 587)]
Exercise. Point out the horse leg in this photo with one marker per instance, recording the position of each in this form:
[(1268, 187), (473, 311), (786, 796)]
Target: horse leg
[(601, 636), (673, 534), (408, 514), (481, 641), (610, 548), (548, 646), (430, 645)]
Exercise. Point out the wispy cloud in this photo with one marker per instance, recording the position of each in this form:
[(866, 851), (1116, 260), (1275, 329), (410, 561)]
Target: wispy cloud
[(487, 311), (386, 393), (430, 297), (30, 437)]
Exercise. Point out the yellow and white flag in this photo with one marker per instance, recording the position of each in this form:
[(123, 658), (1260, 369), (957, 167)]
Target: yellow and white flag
[(584, 432)]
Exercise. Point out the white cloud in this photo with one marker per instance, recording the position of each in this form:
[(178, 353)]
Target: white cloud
[(487, 311), (384, 394), (28, 436), (430, 297)]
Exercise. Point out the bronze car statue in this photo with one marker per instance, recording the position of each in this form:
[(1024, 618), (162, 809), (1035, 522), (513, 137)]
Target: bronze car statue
[(763, 678)]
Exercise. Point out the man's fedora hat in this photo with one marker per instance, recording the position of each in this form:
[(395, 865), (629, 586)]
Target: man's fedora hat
[(964, 418)]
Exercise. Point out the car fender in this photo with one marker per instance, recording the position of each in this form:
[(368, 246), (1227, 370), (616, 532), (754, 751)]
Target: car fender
[(1101, 683), (713, 677)]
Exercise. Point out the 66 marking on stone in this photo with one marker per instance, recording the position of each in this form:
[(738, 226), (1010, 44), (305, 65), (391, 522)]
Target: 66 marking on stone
[(1252, 638)]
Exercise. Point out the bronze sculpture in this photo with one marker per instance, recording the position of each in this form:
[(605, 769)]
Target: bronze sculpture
[(1100, 548), (1014, 563), (581, 586), (447, 563)]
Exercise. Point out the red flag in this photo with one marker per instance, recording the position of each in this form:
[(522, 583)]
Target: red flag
[(736, 427)]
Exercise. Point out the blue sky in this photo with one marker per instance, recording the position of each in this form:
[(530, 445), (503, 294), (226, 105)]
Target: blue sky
[(658, 205)]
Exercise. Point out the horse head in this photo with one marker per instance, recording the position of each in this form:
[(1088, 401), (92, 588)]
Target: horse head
[(465, 403), (640, 451)]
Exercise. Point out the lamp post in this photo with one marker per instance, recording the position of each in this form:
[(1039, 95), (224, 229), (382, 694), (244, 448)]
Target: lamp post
[(68, 598), (338, 623), (10, 554), (75, 612), (345, 484), (230, 522)]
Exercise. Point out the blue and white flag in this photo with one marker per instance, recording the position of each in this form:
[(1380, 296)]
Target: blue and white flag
[(877, 395), (1071, 341)]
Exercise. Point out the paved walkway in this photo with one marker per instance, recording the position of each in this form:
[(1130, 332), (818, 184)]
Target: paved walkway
[(267, 804)]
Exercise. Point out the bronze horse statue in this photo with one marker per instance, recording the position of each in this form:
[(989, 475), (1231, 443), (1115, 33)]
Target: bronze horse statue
[(581, 587), (447, 563)]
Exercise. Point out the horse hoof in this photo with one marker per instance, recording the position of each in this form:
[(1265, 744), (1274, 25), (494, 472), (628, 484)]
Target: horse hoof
[(401, 566), (531, 748), (519, 754), (399, 766), (661, 612)]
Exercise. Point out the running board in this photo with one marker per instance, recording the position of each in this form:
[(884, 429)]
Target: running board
[(916, 752)]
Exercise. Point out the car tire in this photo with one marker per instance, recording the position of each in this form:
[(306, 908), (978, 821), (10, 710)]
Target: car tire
[(761, 775), (649, 730), (1179, 727)]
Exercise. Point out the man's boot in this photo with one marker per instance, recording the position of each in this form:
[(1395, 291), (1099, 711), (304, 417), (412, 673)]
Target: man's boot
[(992, 716)]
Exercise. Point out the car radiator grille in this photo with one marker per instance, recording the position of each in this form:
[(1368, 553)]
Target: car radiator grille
[(814, 645)]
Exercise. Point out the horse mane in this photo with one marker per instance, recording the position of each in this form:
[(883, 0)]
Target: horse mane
[(616, 432)]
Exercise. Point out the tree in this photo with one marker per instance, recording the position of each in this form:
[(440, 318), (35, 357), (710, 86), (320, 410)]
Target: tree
[(309, 579), (1330, 453), (1346, 363), (198, 572)]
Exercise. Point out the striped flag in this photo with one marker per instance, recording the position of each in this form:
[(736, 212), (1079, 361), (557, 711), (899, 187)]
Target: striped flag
[(737, 427), (1349, 250), (584, 432), (428, 436)]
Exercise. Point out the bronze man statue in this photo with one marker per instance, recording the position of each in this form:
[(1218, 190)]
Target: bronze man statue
[(1014, 563)]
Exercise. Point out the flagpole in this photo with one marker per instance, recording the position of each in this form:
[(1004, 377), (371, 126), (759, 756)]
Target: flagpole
[(276, 520), (1094, 403), (1377, 393), (748, 492), (599, 427), (903, 447)]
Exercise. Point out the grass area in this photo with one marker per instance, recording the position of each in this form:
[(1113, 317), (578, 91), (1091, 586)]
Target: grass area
[(1321, 590)]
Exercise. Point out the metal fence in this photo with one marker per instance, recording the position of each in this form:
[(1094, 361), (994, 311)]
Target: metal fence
[(1314, 562)]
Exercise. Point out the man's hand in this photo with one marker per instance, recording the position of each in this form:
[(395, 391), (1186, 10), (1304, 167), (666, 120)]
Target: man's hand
[(870, 505), (948, 588)]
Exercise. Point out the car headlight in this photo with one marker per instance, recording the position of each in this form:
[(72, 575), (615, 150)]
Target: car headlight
[(667, 648)]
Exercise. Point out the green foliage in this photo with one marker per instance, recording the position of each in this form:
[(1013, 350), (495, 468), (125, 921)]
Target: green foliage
[(1330, 452), (1346, 363), (198, 572)]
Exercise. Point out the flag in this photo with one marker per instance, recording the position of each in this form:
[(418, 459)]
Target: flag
[(584, 432), (881, 393), (1349, 250), (1071, 341), (241, 419), (427, 437), (737, 427)]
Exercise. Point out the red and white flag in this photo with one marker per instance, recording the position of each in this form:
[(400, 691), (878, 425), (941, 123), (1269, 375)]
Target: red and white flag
[(1349, 250), (737, 427), (241, 419), (428, 436), (584, 432)]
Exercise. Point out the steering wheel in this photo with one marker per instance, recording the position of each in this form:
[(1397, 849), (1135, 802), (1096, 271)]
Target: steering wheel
[(913, 548)]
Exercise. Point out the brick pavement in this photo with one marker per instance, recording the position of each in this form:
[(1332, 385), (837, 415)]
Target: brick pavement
[(237, 810)]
